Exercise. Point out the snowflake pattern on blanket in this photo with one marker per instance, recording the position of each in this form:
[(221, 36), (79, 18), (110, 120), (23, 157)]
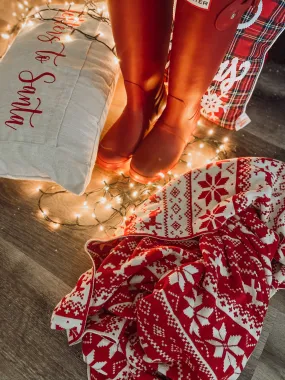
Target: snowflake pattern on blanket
[(184, 292)]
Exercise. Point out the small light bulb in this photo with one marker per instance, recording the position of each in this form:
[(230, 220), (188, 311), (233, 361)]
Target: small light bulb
[(20, 6), (131, 185), (116, 60), (66, 3), (76, 19), (37, 8), (55, 225), (72, 3), (101, 228), (159, 187), (201, 145), (14, 14), (39, 188), (26, 9), (5, 36), (161, 175), (8, 27), (125, 218), (189, 154), (26, 2), (85, 203), (135, 194), (208, 161), (218, 151), (106, 188), (37, 15), (103, 200), (44, 212), (93, 215), (169, 172), (108, 206), (149, 183), (189, 164), (175, 175), (210, 132), (77, 216), (30, 23), (222, 147), (119, 200), (226, 139), (68, 38), (99, 10), (101, 34)]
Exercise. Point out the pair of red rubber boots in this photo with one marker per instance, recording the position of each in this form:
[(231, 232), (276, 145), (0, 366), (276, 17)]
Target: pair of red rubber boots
[(154, 128)]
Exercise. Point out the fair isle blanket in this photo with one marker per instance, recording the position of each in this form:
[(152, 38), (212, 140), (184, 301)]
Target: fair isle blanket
[(183, 293)]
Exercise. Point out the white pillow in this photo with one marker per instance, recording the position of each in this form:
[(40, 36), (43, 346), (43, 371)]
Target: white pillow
[(53, 133)]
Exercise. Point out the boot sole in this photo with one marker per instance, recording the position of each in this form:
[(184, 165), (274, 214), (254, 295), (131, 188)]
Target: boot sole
[(112, 166), (135, 176), (140, 178), (144, 180)]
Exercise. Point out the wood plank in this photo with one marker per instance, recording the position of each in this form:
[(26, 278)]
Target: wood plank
[(268, 368), (276, 341), (269, 97), (278, 301), (29, 349), (243, 143), (61, 252), (271, 365), (254, 359)]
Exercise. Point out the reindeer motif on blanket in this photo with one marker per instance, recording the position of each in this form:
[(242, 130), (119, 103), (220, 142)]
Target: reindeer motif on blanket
[(150, 223)]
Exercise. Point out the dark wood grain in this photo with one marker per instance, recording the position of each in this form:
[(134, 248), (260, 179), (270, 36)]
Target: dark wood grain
[(269, 368), (29, 349)]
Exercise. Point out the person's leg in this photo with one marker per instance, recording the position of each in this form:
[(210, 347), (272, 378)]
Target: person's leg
[(142, 34), (201, 38)]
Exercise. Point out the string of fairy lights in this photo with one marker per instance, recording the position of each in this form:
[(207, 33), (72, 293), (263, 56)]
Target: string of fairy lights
[(119, 197), (116, 198), (90, 9)]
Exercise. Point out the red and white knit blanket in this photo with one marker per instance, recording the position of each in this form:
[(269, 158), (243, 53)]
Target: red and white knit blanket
[(184, 292)]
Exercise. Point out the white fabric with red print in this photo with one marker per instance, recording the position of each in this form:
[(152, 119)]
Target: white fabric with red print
[(183, 293)]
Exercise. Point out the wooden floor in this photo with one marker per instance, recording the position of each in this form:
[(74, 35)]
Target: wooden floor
[(39, 265)]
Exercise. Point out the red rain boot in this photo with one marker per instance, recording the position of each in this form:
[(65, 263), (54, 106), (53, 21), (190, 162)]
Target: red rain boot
[(201, 38), (142, 34)]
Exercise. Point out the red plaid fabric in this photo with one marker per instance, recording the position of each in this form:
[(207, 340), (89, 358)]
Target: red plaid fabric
[(227, 97)]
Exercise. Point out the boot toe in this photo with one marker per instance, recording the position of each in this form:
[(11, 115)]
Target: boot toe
[(109, 159), (147, 165), (159, 153), (141, 175)]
